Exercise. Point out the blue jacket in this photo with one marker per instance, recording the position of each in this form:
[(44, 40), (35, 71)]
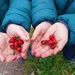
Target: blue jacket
[(16, 12), (53, 11)]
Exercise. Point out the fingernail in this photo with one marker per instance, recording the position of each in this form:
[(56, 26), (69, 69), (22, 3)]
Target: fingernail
[(3, 60), (34, 52)]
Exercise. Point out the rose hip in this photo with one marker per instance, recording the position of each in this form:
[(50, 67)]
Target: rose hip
[(20, 42), (53, 47), (50, 42), (51, 37), (13, 39), (55, 41), (12, 46), (47, 41), (16, 43), (19, 49), (43, 42)]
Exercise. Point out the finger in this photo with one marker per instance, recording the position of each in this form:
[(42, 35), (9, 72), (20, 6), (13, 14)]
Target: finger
[(18, 56), (26, 33), (2, 57), (34, 46), (23, 34), (37, 54), (47, 53), (11, 58), (59, 47), (35, 34), (39, 41), (23, 55), (25, 46), (39, 44), (41, 51), (39, 48)]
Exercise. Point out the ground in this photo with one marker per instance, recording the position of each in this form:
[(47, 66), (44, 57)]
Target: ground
[(14, 68)]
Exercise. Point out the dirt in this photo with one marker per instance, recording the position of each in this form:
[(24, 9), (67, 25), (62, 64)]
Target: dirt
[(14, 68)]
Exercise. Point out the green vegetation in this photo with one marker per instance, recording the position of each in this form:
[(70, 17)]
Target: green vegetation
[(54, 65)]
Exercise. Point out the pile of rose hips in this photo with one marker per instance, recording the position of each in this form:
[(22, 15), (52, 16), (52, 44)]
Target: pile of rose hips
[(16, 44), (52, 42)]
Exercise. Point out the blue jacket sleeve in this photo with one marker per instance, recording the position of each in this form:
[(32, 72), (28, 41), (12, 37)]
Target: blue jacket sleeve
[(43, 10), (19, 13), (69, 19), (1, 29)]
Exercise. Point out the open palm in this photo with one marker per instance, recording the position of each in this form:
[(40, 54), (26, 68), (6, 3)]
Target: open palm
[(61, 34), (6, 53), (22, 33), (38, 35)]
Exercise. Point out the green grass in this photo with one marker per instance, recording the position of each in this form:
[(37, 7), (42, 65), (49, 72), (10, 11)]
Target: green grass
[(54, 65)]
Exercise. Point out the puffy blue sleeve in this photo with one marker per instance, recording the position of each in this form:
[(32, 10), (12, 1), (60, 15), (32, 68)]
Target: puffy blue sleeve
[(43, 10), (19, 13)]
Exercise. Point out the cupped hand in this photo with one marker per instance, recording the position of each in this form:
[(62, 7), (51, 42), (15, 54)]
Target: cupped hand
[(14, 30), (6, 53), (38, 34), (60, 32)]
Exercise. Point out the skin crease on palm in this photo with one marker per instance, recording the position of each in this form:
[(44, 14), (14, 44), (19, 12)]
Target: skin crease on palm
[(60, 31)]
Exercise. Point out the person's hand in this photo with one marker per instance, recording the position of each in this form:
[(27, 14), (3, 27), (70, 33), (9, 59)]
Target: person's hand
[(39, 32), (18, 31), (6, 53), (61, 34)]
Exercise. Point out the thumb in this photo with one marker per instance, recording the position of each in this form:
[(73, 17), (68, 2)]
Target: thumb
[(59, 47), (35, 34), (23, 34)]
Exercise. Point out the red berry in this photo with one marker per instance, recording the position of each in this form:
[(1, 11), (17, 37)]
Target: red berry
[(50, 42), (16, 43), (51, 36), (53, 47), (20, 42), (55, 41), (43, 42), (46, 41), (19, 49), (13, 39), (12, 46)]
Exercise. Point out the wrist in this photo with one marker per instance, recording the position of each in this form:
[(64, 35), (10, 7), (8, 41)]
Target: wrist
[(10, 26), (61, 25), (7, 27), (63, 22), (46, 23)]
